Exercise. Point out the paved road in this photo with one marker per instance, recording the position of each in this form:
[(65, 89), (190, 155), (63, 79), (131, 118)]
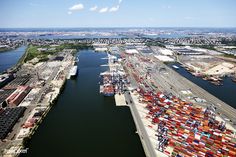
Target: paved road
[(147, 145), (145, 139)]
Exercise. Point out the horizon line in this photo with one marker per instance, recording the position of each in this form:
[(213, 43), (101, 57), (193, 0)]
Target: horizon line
[(120, 27)]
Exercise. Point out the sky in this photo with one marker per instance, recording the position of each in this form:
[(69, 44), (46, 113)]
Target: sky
[(117, 13)]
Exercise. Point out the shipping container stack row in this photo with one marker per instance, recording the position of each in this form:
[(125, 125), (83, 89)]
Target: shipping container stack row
[(187, 129), (190, 130)]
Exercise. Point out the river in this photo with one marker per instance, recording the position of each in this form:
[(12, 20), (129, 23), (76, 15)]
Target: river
[(10, 58), (83, 123)]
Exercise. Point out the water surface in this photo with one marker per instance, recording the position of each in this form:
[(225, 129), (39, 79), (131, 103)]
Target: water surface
[(10, 58), (83, 123)]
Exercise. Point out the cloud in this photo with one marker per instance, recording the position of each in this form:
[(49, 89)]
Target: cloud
[(103, 10), (93, 8), (114, 9), (76, 7), (106, 9), (69, 12)]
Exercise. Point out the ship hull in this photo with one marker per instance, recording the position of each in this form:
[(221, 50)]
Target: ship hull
[(73, 72), (108, 94)]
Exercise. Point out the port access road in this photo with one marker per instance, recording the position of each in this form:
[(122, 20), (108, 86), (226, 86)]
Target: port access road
[(147, 145)]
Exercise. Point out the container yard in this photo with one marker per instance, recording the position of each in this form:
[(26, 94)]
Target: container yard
[(168, 121), (184, 129)]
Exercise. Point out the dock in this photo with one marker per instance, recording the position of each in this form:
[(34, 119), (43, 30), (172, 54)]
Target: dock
[(120, 100), (161, 93), (47, 80)]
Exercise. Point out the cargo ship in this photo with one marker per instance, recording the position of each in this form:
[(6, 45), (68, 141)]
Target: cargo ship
[(108, 90), (114, 80), (73, 71), (107, 87)]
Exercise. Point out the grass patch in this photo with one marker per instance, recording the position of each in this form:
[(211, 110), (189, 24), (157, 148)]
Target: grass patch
[(209, 47), (32, 51), (229, 56)]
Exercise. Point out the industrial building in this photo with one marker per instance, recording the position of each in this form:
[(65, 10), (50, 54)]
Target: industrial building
[(17, 96)]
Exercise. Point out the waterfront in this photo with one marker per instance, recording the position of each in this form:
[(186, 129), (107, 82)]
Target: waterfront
[(10, 58), (83, 122), (226, 92)]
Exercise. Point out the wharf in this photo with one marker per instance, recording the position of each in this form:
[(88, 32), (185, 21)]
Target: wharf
[(166, 81), (142, 131), (120, 100), (47, 84), (126, 100)]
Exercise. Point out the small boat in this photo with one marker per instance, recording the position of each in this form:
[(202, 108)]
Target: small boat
[(174, 66), (77, 60), (204, 78), (217, 83)]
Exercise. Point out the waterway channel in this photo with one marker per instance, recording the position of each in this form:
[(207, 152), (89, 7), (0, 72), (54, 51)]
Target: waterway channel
[(83, 123), (10, 58)]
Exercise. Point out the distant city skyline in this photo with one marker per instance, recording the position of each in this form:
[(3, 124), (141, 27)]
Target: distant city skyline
[(117, 13)]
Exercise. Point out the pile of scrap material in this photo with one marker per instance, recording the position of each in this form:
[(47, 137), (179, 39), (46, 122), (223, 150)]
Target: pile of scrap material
[(186, 129)]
